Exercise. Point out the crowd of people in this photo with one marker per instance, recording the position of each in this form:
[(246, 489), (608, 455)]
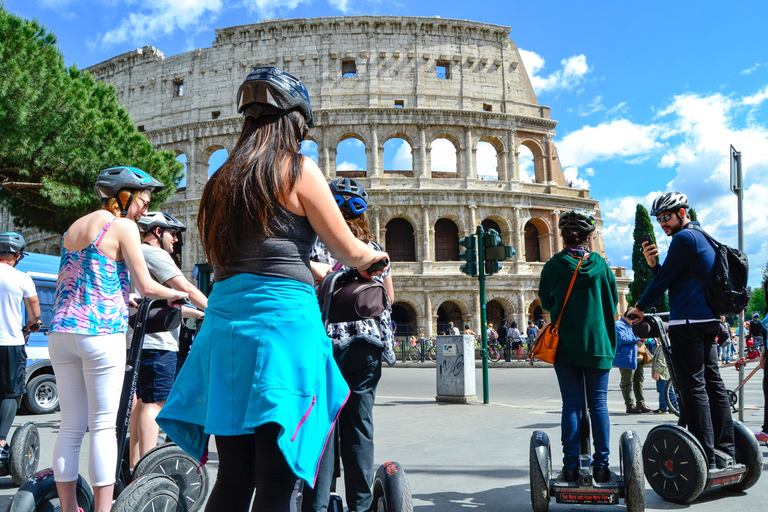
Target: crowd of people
[(272, 228)]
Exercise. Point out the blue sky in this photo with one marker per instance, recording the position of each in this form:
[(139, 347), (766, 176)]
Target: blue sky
[(648, 95)]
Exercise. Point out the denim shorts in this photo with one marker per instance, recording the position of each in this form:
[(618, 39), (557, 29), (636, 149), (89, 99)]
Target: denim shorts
[(156, 374)]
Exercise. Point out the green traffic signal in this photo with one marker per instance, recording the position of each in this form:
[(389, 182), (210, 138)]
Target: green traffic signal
[(492, 267), (491, 238), (470, 255)]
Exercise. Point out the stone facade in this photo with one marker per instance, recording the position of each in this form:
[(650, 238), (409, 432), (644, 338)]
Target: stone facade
[(374, 78)]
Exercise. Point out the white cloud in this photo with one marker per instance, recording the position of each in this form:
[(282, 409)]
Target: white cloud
[(617, 138), (589, 171), (443, 156), (487, 161), (403, 160), (749, 71), (569, 76), (525, 164), (347, 166), (161, 17), (756, 99), (268, 8), (572, 177)]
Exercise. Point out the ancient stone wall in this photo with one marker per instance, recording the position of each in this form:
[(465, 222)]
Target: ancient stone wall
[(374, 78)]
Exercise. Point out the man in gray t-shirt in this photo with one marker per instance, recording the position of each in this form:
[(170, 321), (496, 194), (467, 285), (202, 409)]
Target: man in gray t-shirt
[(160, 350)]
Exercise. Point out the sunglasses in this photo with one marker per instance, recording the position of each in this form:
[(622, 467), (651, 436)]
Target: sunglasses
[(143, 203), (664, 218)]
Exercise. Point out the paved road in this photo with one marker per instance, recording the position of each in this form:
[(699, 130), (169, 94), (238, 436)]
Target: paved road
[(461, 457)]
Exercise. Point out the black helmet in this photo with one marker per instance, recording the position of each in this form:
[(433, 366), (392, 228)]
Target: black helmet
[(669, 202), (268, 90), (113, 180), (12, 243), (350, 196), (578, 219), (161, 220)]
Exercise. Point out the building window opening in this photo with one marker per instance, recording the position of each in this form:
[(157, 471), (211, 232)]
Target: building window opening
[(487, 107), (443, 70), (140, 128), (348, 69), (399, 103), (178, 88), (215, 115)]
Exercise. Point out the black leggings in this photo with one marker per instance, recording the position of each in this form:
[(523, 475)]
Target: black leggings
[(249, 462), (8, 408)]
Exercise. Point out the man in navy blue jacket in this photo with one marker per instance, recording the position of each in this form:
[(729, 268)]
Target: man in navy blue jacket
[(693, 326)]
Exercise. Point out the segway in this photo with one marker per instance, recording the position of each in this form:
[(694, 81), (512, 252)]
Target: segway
[(675, 464), (166, 478), (391, 489), (627, 485), (24, 454)]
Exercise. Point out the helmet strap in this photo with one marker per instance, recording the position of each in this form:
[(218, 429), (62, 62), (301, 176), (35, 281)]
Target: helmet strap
[(124, 209)]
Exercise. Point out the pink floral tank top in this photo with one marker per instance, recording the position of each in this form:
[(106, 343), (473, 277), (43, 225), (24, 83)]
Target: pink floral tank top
[(91, 292)]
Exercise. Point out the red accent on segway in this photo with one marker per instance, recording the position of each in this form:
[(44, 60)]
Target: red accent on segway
[(390, 467), (588, 497)]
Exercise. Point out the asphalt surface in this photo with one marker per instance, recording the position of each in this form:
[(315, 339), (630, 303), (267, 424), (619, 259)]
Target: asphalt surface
[(474, 456)]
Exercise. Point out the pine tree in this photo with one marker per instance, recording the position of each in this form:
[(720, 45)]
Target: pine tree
[(643, 274), (692, 214), (59, 127)]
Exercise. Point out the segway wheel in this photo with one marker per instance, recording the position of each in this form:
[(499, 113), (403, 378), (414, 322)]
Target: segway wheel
[(39, 494), (391, 489), (150, 493), (748, 453), (191, 479), (25, 453), (631, 464), (670, 390), (674, 464), (539, 477)]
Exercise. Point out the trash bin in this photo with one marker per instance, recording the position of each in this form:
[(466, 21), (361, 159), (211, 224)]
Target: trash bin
[(456, 369)]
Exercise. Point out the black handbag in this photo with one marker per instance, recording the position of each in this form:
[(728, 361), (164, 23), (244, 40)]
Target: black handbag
[(345, 296), (162, 317)]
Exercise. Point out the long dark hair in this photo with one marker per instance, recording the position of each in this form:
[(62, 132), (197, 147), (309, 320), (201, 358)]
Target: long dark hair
[(359, 227), (241, 196)]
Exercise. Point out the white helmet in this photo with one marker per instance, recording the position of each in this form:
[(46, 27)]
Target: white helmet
[(669, 202), (160, 220)]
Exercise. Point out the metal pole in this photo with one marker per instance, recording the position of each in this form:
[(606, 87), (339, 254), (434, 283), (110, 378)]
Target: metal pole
[(481, 277), (740, 196)]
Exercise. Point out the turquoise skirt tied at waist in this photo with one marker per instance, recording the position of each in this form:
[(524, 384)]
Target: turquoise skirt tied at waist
[(261, 356)]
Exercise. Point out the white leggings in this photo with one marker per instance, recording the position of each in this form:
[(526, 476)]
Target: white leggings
[(89, 375)]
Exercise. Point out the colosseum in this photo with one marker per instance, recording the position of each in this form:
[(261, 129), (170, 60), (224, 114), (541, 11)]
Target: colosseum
[(441, 87)]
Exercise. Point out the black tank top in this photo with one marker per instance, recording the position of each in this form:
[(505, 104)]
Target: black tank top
[(285, 254)]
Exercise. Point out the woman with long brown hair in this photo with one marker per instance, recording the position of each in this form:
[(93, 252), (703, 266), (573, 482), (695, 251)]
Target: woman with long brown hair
[(270, 399)]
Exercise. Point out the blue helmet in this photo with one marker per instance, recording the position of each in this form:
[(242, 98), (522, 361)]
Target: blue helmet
[(578, 219), (268, 90), (113, 180), (350, 196)]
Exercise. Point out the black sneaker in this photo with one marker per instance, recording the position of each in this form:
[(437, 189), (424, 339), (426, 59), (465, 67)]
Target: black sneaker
[(601, 474), (5, 453), (569, 475), (633, 410)]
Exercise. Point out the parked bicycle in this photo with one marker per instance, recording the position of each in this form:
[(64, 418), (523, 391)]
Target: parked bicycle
[(495, 352), (425, 348)]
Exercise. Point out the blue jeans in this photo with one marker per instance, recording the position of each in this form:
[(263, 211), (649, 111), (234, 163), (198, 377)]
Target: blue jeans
[(572, 392), (661, 386)]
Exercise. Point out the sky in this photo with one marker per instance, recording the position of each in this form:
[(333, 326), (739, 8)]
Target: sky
[(649, 96)]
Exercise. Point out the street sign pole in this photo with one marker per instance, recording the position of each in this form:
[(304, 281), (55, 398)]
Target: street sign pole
[(483, 330), (737, 187)]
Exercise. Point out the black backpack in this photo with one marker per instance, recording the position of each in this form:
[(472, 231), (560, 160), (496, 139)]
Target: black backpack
[(727, 292)]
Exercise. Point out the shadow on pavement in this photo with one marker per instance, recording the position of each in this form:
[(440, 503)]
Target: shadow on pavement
[(509, 499)]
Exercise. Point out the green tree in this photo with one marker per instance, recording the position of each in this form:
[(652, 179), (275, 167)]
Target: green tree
[(692, 214), (59, 127), (643, 274), (756, 303)]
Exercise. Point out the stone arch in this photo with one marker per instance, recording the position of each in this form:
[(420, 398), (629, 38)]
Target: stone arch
[(442, 161), (208, 153), (351, 161), (446, 240), (406, 319), (55, 250), (400, 240), (537, 151), (495, 312), (310, 148), (489, 224), (535, 311), (402, 159), (181, 184), (488, 161), (450, 311), (537, 239)]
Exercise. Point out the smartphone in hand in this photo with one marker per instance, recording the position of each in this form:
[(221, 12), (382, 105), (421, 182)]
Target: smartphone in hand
[(647, 238)]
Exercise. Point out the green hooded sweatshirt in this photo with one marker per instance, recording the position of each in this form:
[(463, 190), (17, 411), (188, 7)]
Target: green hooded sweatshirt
[(587, 329)]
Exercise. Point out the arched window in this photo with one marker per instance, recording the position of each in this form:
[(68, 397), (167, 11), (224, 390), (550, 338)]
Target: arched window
[(489, 224), (494, 313), (400, 242), (532, 252), (350, 158), (216, 160), (525, 164), (405, 320), (397, 156), (487, 161), (182, 183), (442, 156), (450, 312), (446, 240), (309, 149)]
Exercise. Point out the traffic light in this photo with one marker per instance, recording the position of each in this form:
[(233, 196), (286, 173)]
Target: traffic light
[(494, 251), (469, 255)]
